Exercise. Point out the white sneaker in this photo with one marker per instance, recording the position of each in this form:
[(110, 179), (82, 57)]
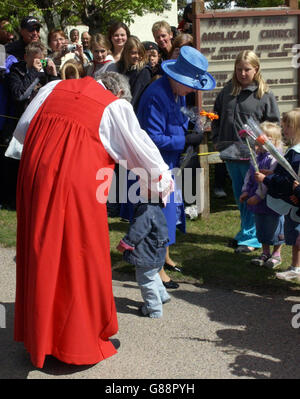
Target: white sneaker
[(219, 193), (290, 274), (192, 212)]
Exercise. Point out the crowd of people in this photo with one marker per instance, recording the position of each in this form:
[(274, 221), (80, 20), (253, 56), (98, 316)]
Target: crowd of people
[(75, 108)]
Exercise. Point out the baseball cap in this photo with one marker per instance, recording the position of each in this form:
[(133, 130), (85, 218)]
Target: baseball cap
[(150, 46), (30, 23)]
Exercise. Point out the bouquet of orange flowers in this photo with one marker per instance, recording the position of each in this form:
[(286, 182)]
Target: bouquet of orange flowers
[(201, 121)]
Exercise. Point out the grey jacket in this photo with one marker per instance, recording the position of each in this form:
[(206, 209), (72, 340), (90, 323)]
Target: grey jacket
[(147, 236), (233, 112)]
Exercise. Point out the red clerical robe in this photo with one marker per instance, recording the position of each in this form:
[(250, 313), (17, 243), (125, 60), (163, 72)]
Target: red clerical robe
[(64, 299)]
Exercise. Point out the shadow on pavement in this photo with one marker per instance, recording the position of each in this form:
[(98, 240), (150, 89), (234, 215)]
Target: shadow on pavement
[(257, 330), (15, 360)]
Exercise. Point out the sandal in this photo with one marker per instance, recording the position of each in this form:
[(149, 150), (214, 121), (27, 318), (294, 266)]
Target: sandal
[(261, 260), (273, 262)]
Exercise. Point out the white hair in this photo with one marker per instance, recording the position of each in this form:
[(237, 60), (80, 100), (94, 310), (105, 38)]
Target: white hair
[(116, 83)]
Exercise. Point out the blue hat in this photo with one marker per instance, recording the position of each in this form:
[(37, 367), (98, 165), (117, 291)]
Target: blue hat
[(190, 69)]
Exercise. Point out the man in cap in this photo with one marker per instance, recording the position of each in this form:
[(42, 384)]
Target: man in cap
[(30, 32)]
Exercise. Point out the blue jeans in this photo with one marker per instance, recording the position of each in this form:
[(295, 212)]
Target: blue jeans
[(153, 291), (247, 235), (270, 229)]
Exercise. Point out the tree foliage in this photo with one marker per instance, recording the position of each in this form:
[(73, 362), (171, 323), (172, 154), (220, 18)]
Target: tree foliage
[(97, 14)]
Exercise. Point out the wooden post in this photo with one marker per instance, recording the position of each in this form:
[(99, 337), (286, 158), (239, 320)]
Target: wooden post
[(198, 8), (293, 4)]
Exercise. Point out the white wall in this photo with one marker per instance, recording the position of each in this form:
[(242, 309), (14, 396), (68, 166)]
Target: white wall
[(80, 28), (142, 26)]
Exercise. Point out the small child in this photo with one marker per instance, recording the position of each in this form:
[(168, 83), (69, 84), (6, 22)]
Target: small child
[(152, 53), (28, 76), (144, 246), (282, 191), (269, 224)]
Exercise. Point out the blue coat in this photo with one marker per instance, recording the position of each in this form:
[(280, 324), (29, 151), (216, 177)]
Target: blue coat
[(280, 186), (148, 234), (160, 116), (6, 107)]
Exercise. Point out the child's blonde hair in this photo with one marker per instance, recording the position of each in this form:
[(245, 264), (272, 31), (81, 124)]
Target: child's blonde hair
[(291, 119), (183, 39), (133, 43), (250, 57), (35, 48), (100, 40), (273, 131)]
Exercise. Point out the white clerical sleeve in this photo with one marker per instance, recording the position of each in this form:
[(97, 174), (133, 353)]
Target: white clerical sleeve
[(15, 147), (125, 141)]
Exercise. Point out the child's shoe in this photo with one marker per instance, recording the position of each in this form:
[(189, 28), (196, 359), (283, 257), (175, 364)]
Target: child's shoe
[(273, 262), (291, 273), (260, 260), (142, 311), (154, 315)]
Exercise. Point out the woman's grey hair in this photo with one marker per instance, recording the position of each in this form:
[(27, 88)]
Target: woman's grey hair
[(116, 83)]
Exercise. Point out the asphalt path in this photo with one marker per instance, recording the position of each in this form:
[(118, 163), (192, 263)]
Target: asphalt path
[(205, 333)]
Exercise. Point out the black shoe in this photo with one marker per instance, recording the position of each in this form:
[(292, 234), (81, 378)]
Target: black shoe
[(116, 343), (170, 284), (172, 268), (244, 249), (232, 243)]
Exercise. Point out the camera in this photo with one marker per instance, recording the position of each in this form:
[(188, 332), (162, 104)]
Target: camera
[(71, 47), (44, 62)]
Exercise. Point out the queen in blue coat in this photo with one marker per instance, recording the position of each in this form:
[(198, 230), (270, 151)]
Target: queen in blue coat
[(159, 114)]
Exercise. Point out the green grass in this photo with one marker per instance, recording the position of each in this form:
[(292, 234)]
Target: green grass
[(7, 228), (203, 252)]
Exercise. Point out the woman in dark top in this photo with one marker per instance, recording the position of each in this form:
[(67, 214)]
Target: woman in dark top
[(133, 64)]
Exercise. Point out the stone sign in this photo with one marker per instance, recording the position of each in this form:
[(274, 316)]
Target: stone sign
[(272, 38)]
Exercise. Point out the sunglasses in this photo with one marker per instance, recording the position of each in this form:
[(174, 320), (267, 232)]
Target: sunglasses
[(33, 28)]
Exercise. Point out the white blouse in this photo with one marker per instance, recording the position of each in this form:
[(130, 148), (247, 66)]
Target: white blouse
[(120, 134)]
